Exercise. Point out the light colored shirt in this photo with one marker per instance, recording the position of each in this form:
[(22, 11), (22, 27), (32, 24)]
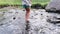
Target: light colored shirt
[(26, 2)]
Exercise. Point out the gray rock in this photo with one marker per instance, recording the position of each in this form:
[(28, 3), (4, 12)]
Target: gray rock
[(54, 4), (10, 26), (38, 23)]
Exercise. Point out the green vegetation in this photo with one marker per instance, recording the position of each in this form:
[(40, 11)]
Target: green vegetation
[(42, 2), (18, 2), (10, 2)]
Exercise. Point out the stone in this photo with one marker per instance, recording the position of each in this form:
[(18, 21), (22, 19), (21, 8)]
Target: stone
[(37, 24), (10, 24), (53, 4)]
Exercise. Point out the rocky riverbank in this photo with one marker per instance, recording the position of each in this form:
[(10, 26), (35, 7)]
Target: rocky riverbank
[(12, 21)]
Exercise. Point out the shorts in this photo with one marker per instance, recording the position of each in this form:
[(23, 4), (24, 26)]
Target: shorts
[(26, 6)]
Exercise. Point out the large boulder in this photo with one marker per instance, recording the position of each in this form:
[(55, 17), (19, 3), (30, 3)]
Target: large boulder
[(54, 4)]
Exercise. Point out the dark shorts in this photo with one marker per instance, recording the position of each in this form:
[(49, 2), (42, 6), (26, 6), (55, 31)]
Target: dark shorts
[(25, 6)]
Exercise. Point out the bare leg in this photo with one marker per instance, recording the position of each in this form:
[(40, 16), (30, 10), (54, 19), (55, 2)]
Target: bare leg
[(27, 13), (27, 21)]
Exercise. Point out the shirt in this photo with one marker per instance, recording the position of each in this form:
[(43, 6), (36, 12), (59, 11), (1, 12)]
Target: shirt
[(26, 2)]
